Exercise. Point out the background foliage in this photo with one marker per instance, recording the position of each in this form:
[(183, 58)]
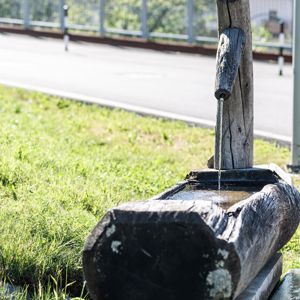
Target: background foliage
[(163, 16)]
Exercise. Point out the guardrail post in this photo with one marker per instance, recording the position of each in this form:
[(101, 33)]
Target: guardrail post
[(66, 27), (144, 19), (102, 17), (26, 12), (296, 109), (61, 14), (190, 20), (281, 43)]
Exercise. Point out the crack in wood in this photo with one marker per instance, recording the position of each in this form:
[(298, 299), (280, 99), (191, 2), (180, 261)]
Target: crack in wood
[(242, 98), (230, 139), (229, 14), (249, 132)]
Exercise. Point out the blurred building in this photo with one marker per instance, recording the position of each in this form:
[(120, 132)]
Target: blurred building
[(271, 12)]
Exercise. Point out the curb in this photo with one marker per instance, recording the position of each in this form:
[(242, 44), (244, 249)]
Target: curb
[(281, 140)]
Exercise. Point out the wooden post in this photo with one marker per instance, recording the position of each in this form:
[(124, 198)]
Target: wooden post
[(237, 146)]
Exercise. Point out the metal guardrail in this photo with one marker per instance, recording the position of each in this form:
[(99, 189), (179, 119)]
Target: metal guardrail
[(98, 12)]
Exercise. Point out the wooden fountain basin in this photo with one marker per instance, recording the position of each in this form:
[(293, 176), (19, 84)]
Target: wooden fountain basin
[(185, 244)]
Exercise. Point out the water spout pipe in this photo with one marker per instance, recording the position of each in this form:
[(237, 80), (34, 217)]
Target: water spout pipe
[(229, 54)]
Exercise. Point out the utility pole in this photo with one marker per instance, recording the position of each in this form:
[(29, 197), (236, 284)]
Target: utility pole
[(102, 17), (144, 19), (26, 14), (295, 167), (190, 20), (62, 14)]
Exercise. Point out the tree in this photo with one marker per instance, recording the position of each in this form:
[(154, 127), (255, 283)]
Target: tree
[(10, 9)]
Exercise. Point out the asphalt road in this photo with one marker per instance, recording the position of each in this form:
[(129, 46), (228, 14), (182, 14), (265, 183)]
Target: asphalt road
[(158, 82)]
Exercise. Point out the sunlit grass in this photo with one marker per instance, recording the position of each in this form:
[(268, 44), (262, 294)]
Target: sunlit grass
[(64, 164)]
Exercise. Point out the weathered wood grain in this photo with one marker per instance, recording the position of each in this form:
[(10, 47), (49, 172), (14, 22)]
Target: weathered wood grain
[(264, 283), (237, 148), (173, 250), (289, 289), (229, 55)]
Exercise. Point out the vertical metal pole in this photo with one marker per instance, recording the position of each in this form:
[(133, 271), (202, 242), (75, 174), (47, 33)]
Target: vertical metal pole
[(61, 14), (190, 20), (144, 19), (296, 110), (281, 43), (26, 13), (102, 17), (66, 27)]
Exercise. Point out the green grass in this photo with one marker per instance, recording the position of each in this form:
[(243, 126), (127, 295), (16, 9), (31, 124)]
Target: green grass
[(64, 164)]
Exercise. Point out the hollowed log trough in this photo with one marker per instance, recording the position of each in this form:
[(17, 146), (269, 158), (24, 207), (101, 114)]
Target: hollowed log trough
[(191, 249)]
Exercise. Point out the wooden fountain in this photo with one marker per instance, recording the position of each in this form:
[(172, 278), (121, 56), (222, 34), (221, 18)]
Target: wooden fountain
[(179, 245)]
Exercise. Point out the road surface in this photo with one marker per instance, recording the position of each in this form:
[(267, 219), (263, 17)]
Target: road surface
[(165, 83)]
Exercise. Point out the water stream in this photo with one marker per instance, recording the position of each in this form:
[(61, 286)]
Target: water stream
[(220, 122), (222, 194)]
